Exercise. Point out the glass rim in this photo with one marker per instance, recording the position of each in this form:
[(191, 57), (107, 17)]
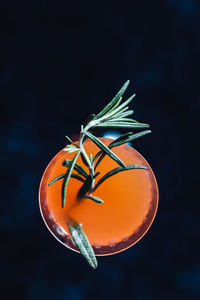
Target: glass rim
[(104, 250)]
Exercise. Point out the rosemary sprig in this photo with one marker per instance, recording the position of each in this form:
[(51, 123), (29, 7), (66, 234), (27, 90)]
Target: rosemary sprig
[(114, 115)]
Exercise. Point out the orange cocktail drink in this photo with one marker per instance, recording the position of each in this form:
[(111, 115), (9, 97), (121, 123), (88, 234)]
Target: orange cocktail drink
[(130, 202)]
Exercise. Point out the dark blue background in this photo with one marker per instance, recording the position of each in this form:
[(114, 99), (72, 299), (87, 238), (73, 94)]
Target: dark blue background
[(61, 61)]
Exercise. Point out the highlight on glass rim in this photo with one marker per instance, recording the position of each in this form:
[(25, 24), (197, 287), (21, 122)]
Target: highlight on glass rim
[(99, 196)]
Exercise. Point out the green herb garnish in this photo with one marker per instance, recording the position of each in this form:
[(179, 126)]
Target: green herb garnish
[(113, 115)]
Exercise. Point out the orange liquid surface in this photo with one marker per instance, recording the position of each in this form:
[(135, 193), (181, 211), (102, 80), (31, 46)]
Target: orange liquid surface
[(130, 197)]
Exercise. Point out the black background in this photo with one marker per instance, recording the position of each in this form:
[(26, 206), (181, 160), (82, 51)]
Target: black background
[(61, 61)]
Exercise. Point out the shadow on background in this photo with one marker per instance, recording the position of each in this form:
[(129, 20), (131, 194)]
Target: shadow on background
[(62, 61)]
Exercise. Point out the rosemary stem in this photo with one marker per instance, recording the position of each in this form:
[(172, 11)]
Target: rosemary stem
[(82, 150)]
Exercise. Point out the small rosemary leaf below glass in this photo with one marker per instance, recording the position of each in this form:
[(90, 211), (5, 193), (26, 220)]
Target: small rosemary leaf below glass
[(63, 175), (86, 186), (116, 171), (110, 105), (77, 168), (122, 125), (83, 244), (104, 148), (94, 198), (67, 177)]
